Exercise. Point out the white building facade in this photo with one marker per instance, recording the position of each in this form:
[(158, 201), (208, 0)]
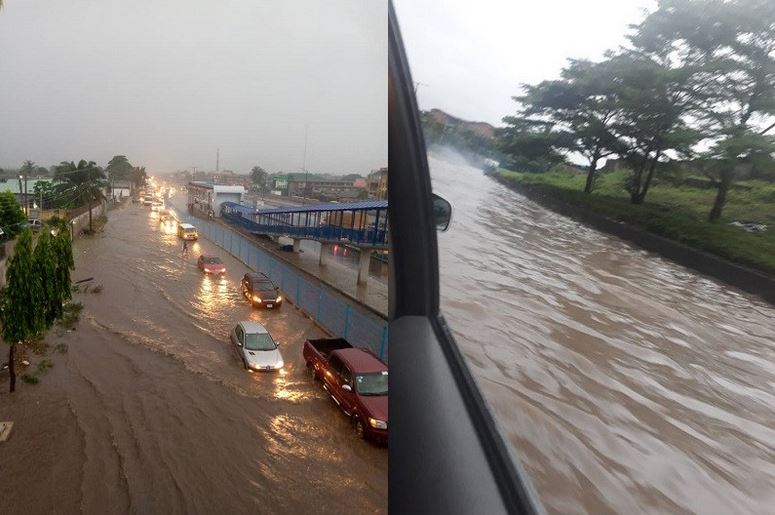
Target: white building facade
[(207, 198)]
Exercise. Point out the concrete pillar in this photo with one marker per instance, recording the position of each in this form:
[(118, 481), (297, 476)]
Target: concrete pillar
[(296, 245), (364, 260), (324, 248)]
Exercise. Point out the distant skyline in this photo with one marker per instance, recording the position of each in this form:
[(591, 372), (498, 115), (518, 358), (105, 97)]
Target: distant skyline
[(167, 83), (470, 58)]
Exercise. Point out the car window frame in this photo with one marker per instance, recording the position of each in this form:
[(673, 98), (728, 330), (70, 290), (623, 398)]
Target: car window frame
[(414, 303)]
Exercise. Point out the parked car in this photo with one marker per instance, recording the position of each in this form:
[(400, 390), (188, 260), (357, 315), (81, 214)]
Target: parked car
[(357, 381), (34, 224), (211, 264), (256, 347), (261, 291)]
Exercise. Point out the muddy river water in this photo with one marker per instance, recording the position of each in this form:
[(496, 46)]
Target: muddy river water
[(626, 383)]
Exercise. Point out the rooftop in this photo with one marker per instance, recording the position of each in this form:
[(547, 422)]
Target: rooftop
[(252, 327), (361, 361)]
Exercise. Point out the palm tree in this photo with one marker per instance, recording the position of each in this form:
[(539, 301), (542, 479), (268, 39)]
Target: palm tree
[(82, 183)]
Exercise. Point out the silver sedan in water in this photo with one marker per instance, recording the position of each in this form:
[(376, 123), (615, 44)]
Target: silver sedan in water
[(256, 347)]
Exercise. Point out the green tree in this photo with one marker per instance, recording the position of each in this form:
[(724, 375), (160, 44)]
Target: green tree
[(138, 176), (45, 265), (84, 182), (529, 144), (259, 177), (581, 108), (655, 101), (23, 303), (734, 42), (11, 214), (62, 251), (119, 168)]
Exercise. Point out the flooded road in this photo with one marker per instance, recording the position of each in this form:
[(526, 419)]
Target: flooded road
[(626, 383), (162, 418)]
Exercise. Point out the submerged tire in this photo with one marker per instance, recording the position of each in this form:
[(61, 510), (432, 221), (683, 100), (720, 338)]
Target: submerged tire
[(358, 427)]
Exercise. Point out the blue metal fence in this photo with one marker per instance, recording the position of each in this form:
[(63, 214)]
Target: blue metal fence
[(332, 311)]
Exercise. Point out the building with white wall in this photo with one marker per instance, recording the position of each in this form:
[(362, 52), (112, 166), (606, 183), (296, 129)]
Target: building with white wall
[(207, 198)]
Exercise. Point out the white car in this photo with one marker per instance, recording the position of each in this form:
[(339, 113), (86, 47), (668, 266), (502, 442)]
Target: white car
[(256, 347)]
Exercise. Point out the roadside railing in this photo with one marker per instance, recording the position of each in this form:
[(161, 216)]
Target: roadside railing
[(331, 310)]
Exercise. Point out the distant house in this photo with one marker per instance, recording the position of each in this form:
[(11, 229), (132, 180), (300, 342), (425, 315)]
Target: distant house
[(482, 128), (119, 189), (377, 183)]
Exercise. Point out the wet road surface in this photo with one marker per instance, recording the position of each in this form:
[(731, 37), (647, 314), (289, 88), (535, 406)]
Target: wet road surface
[(162, 418), (626, 383), (340, 272)]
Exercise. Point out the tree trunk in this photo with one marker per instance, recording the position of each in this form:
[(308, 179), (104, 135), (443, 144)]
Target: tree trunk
[(636, 184), (91, 229), (591, 177), (12, 368), (721, 196), (641, 196)]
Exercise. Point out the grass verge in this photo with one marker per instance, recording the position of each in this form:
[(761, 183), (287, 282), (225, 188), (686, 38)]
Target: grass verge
[(675, 212)]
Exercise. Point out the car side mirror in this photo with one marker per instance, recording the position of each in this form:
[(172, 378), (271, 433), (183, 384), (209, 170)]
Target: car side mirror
[(347, 388), (442, 213)]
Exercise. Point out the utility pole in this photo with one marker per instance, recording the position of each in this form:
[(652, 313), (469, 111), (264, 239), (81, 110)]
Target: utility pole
[(218, 160), (21, 191), (26, 200), (306, 172)]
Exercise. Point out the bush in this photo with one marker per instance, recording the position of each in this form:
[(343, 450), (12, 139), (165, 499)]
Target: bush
[(30, 378)]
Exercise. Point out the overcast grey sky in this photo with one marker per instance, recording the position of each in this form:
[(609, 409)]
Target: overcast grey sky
[(472, 56), (167, 82)]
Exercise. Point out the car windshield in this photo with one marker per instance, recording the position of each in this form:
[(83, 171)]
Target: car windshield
[(263, 286), (375, 383), (259, 341), (213, 261)]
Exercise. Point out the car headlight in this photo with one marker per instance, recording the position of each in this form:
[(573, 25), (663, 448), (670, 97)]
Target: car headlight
[(256, 299), (279, 364), (279, 298), (377, 424)]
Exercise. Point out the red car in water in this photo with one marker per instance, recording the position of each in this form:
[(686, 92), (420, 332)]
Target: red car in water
[(211, 265), (356, 380)]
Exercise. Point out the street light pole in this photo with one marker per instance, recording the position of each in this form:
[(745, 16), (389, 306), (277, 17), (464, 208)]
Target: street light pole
[(306, 172)]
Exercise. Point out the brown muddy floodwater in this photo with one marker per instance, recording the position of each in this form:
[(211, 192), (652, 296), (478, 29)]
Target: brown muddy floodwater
[(150, 410), (626, 383)]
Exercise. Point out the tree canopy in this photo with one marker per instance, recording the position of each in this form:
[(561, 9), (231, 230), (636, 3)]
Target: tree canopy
[(695, 83)]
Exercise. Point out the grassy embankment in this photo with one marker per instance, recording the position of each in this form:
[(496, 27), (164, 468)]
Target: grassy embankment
[(675, 212)]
